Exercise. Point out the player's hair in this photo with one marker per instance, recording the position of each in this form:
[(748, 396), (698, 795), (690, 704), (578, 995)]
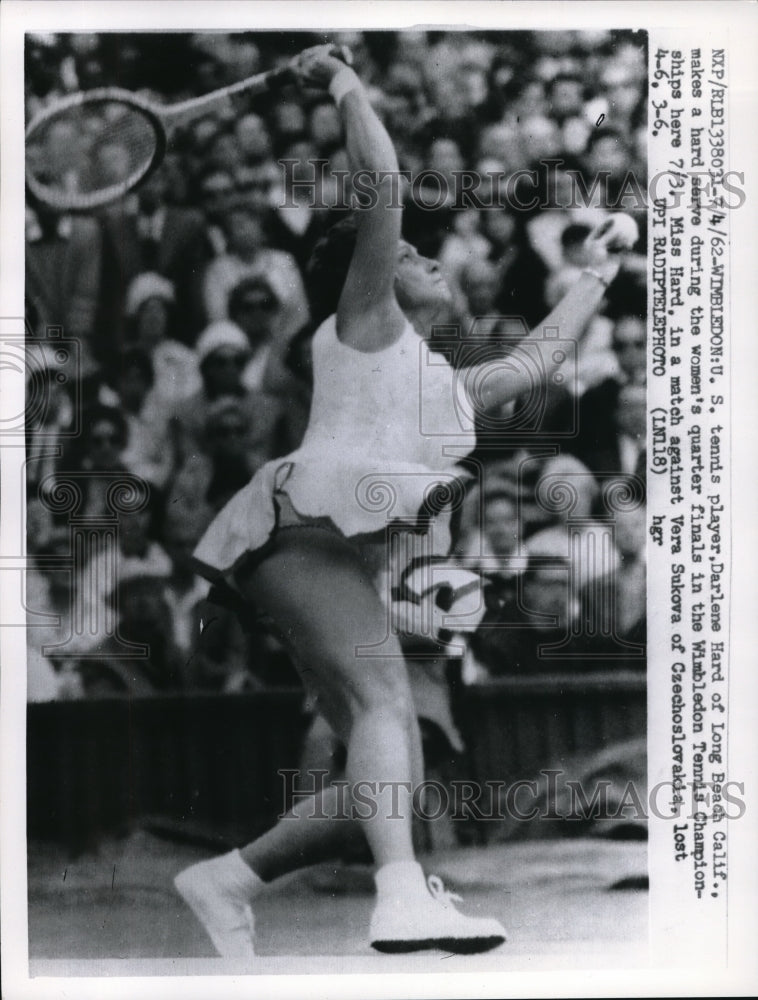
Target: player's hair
[(328, 267)]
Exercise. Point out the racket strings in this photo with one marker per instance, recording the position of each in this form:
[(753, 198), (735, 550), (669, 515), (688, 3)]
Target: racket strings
[(86, 154)]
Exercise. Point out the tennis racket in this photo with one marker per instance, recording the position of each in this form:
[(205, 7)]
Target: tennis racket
[(94, 147)]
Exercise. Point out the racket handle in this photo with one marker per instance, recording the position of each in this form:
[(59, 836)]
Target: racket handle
[(262, 83)]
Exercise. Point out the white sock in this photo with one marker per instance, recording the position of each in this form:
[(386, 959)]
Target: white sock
[(239, 876), (399, 879)]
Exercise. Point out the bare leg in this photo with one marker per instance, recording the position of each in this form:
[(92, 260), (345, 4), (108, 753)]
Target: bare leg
[(325, 605)]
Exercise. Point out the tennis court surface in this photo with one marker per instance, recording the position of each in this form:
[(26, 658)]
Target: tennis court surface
[(566, 903)]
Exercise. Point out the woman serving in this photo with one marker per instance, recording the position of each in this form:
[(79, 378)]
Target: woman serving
[(302, 545)]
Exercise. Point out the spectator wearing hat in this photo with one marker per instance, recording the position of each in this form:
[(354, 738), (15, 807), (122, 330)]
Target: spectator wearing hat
[(150, 308), (223, 352)]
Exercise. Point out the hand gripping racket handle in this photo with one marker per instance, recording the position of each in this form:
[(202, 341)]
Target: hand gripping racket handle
[(270, 81)]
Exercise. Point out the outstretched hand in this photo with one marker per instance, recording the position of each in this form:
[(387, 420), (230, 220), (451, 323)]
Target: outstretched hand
[(607, 242)]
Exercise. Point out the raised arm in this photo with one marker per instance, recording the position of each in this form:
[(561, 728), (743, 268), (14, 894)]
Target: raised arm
[(571, 317), (368, 316)]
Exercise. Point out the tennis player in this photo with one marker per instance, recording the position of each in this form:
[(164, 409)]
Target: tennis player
[(303, 544)]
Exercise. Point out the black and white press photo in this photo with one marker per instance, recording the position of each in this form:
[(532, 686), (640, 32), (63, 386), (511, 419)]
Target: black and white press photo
[(372, 561)]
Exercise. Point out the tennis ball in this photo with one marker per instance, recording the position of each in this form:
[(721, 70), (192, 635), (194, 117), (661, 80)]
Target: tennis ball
[(625, 232)]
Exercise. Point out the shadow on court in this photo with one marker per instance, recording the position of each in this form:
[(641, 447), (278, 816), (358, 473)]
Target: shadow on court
[(563, 903)]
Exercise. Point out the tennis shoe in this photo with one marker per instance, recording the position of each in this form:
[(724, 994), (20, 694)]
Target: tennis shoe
[(220, 906), (401, 925)]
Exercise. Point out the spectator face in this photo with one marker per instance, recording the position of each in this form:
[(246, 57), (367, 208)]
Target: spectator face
[(546, 592), (203, 130), (133, 529), (60, 140), (610, 154), (105, 446), (113, 163), (289, 120), (499, 227), (256, 183), (227, 436), (302, 152), (133, 388), (243, 58), (622, 90), (540, 138), (142, 608), (216, 190), (418, 280), (225, 153), (253, 138), (481, 282), (152, 323), (255, 313), (222, 371), (629, 339), (326, 126), (531, 101), (630, 412), (574, 134), (566, 98), (445, 157), (501, 524), (630, 534), (152, 194), (244, 232)]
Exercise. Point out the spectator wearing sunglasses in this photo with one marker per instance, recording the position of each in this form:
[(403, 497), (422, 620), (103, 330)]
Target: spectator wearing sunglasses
[(249, 253), (223, 352)]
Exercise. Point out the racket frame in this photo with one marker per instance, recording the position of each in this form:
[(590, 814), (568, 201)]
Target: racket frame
[(71, 201)]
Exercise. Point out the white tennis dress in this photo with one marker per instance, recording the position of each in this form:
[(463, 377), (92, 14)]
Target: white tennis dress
[(373, 452)]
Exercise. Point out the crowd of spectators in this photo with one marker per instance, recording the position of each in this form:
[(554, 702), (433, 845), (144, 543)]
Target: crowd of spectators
[(190, 307)]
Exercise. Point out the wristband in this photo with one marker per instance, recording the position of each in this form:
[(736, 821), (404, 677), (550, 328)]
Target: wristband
[(343, 81), (596, 274)]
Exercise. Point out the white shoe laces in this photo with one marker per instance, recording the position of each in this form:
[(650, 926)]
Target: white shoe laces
[(440, 893)]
